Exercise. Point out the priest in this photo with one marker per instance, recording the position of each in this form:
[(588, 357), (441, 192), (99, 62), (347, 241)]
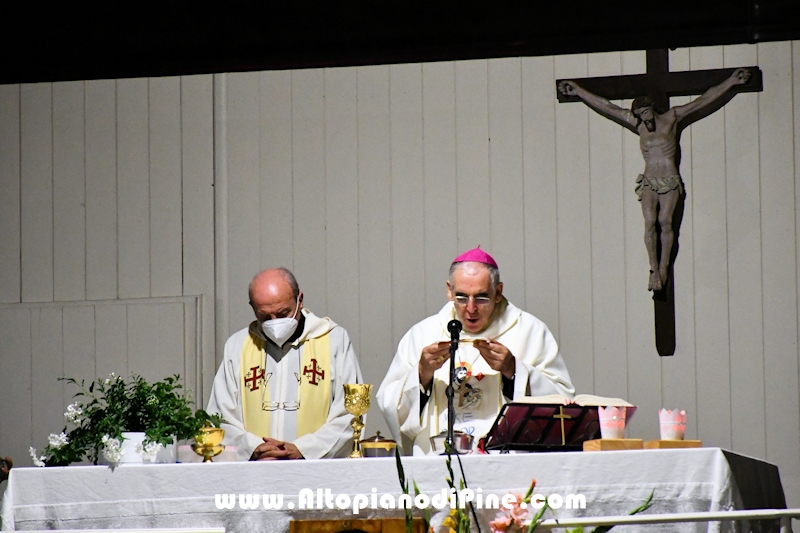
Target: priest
[(279, 387), (504, 353)]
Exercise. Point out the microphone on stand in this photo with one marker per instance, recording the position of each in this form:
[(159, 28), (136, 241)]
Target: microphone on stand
[(454, 327)]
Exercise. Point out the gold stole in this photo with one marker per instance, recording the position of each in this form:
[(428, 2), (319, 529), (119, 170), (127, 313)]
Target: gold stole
[(314, 389)]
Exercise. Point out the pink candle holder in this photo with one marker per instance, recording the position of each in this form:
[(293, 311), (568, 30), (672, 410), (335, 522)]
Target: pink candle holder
[(612, 422), (673, 424)]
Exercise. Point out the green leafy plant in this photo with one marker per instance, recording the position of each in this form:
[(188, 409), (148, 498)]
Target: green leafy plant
[(518, 519), (111, 406)]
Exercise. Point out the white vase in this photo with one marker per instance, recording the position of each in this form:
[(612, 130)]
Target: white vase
[(132, 438), (136, 438)]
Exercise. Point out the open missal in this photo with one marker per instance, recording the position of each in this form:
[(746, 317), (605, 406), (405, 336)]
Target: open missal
[(549, 423)]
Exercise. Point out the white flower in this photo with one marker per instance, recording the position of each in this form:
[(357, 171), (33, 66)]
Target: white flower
[(37, 461), (112, 450), (149, 451), (74, 413), (57, 441)]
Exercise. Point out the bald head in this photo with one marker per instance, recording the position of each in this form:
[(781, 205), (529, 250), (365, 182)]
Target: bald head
[(274, 294)]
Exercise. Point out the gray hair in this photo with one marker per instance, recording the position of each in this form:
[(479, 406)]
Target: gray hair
[(494, 272), (287, 275)]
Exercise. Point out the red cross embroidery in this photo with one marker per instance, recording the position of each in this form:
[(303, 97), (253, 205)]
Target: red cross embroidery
[(255, 377), (315, 371)]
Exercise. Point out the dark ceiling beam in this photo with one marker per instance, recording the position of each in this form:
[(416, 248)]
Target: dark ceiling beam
[(134, 41)]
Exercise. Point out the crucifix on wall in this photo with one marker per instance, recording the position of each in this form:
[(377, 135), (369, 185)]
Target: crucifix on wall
[(659, 127)]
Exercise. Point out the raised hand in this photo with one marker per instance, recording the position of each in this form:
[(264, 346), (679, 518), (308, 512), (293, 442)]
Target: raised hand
[(497, 356), (432, 358)]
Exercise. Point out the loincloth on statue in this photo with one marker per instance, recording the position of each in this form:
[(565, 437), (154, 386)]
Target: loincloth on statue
[(658, 185)]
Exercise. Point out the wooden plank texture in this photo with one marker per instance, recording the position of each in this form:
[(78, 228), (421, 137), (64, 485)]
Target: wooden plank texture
[(133, 189), (408, 199), (101, 189), (166, 228), (439, 162), (10, 199), (539, 175), (36, 197), (505, 171), (472, 155), (710, 268), (308, 188), (341, 194)]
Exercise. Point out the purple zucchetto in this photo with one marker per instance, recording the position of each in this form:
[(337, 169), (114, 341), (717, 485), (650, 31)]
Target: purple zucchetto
[(476, 255)]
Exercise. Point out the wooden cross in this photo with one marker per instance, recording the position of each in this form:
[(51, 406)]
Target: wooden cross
[(659, 84), (562, 416)]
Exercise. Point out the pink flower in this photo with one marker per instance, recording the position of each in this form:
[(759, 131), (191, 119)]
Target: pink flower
[(500, 523)]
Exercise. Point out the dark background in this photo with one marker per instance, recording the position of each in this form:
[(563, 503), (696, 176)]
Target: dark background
[(71, 41)]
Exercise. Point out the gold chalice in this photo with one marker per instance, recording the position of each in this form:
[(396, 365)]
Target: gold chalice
[(208, 442), (356, 401)]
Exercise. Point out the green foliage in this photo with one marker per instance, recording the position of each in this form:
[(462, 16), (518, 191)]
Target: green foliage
[(599, 529), (162, 410)]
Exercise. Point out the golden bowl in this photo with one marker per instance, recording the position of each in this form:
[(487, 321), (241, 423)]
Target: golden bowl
[(209, 436)]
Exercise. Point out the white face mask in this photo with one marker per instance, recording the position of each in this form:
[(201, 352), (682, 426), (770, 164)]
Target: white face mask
[(280, 329)]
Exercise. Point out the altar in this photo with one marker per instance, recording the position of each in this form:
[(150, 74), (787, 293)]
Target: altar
[(190, 495)]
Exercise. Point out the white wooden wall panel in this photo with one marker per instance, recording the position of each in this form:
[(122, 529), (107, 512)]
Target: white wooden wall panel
[(574, 229), (39, 343), (166, 260), (78, 337), (133, 189), (375, 214), (10, 197), (643, 364), (408, 200), (341, 190), (101, 189), (16, 424), (439, 162), (608, 187), (243, 193), (539, 198), (472, 155), (778, 233), (69, 192), (197, 167), (743, 205), (308, 187), (36, 198), (275, 102), (711, 273), (111, 332), (47, 364), (505, 175)]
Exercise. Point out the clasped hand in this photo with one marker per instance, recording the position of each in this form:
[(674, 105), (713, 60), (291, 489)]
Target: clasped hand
[(272, 449)]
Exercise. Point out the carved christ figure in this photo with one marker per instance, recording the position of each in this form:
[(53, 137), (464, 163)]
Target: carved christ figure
[(660, 186)]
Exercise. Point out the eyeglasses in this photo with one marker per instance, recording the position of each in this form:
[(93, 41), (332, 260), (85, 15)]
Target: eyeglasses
[(274, 406), (479, 300)]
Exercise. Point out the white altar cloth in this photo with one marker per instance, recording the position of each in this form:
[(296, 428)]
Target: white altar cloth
[(183, 495)]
